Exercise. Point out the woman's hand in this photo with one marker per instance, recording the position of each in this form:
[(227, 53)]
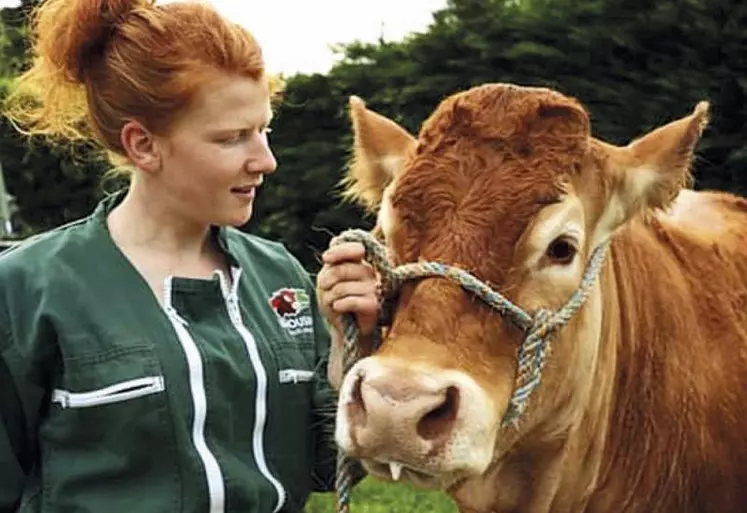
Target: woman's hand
[(349, 284)]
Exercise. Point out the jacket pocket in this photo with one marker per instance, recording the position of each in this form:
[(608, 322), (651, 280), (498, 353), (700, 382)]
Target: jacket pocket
[(123, 391), (290, 440), (108, 411)]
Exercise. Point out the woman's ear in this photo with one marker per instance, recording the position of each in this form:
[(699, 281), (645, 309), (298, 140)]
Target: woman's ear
[(141, 147)]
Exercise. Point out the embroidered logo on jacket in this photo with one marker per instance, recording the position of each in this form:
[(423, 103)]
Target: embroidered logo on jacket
[(292, 308)]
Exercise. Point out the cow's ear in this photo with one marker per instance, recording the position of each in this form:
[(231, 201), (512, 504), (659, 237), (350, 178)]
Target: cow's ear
[(379, 151), (649, 172)]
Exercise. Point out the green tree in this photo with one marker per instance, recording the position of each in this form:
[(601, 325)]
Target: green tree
[(52, 185), (634, 63)]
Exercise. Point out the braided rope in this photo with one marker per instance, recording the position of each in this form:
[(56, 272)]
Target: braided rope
[(531, 355)]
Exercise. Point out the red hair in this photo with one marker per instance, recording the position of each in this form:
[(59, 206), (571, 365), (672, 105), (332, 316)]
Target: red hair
[(99, 63)]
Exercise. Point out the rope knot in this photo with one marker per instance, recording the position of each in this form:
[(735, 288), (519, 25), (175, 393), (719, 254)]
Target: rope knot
[(541, 323)]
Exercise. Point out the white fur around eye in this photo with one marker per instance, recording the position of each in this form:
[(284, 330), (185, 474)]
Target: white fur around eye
[(563, 219)]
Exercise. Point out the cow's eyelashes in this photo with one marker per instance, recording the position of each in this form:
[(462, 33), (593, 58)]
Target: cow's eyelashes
[(561, 251)]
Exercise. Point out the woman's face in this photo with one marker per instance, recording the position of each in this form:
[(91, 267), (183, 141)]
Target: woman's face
[(217, 154)]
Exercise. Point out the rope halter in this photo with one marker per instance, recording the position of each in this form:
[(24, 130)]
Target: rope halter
[(538, 328)]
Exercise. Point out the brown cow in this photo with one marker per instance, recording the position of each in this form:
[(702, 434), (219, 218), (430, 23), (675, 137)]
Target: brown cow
[(641, 405)]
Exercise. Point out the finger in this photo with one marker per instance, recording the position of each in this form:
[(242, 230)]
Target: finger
[(329, 276), (345, 251), (361, 305), (350, 288)]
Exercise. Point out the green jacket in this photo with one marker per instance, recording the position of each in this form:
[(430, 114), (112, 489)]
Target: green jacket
[(217, 402)]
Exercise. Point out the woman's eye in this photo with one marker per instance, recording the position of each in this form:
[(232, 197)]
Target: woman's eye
[(243, 135), (561, 251), (233, 138)]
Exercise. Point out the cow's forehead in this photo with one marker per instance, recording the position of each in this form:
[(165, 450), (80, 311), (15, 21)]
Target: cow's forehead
[(487, 161), (510, 116)]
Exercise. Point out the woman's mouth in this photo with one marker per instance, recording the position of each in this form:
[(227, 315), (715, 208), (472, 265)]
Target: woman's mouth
[(244, 192)]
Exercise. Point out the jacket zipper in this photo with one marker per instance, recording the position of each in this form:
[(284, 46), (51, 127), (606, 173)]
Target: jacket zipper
[(213, 473), (123, 391), (231, 299)]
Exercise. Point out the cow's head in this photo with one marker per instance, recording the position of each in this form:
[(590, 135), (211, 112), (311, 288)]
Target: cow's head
[(507, 183)]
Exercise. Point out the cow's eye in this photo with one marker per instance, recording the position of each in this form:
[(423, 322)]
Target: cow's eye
[(561, 251)]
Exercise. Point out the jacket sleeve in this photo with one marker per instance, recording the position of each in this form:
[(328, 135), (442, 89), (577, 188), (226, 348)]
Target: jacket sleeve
[(325, 399), (25, 364), (325, 408), (15, 452)]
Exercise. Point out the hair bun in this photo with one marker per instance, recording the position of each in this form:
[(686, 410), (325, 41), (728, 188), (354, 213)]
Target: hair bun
[(115, 12), (73, 34)]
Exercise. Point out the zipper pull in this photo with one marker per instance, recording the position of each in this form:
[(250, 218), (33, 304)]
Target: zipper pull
[(63, 398), (233, 307)]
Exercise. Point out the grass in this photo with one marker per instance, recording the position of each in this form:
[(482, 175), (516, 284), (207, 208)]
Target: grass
[(374, 496)]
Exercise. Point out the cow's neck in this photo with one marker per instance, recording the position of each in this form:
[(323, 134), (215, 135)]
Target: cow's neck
[(595, 467), (651, 389), (643, 401), (533, 475), (573, 460)]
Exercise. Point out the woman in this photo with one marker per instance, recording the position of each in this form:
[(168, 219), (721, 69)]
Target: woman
[(153, 358)]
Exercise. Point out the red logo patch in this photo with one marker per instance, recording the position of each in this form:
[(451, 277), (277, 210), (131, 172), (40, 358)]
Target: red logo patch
[(289, 302)]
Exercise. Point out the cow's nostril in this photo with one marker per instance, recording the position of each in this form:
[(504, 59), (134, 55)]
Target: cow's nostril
[(438, 423)]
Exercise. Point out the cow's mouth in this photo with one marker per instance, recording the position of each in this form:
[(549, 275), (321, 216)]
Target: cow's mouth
[(396, 471)]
